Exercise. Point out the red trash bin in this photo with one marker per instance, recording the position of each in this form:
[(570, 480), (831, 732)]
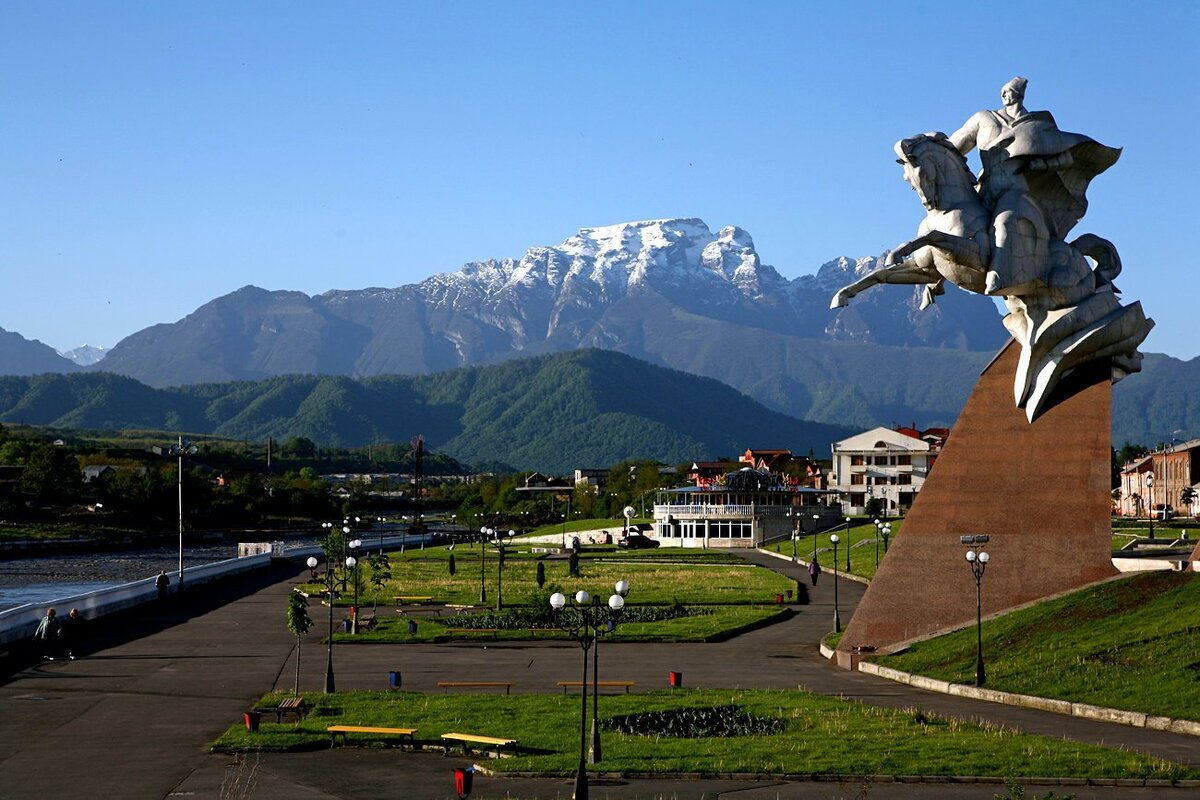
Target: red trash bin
[(463, 777), (252, 719), (676, 679)]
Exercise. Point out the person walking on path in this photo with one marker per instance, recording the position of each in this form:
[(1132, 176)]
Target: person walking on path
[(47, 634), (814, 570), (71, 632), (162, 583)]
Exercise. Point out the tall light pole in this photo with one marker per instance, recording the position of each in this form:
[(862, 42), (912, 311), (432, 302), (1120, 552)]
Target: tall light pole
[(1149, 490), (483, 537), (180, 450), (848, 549), (793, 517), (978, 563), (837, 620), (622, 589), (312, 564), (352, 563), (500, 568), (584, 628)]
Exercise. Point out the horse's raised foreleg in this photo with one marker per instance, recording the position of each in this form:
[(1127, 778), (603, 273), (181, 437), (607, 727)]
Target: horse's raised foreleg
[(963, 251), (907, 272)]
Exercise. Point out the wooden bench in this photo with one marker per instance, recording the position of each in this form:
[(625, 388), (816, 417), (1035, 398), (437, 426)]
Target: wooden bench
[(290, 705), (467, 739), (448, 685), (492, 631), (411, 600), (419, 610), (603, 684), (366, 623), (341, 730)]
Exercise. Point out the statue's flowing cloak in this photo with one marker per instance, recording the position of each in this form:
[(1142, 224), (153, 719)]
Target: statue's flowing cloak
[(1061, 193)]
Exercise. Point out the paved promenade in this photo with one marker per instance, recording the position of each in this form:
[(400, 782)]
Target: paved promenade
[(135, 717)]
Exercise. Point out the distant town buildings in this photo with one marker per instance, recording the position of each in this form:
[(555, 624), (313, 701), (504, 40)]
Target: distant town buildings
[(1157, 482), (889, 465), (766, 495)]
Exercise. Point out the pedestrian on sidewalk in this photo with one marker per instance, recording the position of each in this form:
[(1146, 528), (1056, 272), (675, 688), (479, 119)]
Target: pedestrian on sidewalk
[(47, 634), (814, 570), (162, 583), (71, 632)]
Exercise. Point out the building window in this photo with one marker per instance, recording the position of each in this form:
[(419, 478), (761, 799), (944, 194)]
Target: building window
[(856, 461), (904, 460), (857, 479)]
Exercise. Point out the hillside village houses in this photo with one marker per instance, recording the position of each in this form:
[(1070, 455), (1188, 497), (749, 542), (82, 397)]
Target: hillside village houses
[(1157, 481), (887, 464)]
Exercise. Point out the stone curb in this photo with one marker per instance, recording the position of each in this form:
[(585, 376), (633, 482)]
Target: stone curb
[(1134, 719), (815, 777)]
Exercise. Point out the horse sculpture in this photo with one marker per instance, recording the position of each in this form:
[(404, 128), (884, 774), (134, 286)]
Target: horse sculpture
[(1062, 311)]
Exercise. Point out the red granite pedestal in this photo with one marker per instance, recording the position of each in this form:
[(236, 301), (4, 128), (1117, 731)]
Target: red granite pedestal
[(1040, 490)]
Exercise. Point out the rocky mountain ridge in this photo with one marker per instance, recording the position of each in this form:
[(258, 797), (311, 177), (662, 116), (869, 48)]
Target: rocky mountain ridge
[(598, 288)]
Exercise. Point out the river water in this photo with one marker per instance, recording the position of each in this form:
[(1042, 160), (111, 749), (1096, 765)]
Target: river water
[(45, 579)]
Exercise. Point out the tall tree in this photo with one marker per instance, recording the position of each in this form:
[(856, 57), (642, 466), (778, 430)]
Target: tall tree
[(52, 475), (299, 623)]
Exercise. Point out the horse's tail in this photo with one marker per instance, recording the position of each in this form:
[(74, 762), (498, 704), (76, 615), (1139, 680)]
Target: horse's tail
[(1104, 253)]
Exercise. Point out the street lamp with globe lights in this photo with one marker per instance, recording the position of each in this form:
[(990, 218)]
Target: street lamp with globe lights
[(586, 625), (484, 532), (312, 565), (628, 512), (837, 620), (1150, 493), (978, 563), (500, 567), (352, 564)]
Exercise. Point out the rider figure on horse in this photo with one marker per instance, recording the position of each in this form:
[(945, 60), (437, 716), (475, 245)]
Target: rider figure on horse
[(1034, 182)]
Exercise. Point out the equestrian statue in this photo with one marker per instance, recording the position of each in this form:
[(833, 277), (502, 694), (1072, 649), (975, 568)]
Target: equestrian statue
[(1004, 233)]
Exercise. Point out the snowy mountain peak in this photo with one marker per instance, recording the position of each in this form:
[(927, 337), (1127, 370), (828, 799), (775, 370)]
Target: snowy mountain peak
[(634, 238), (84, 355)]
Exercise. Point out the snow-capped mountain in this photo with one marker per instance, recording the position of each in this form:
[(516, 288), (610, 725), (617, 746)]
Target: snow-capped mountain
[(670, 291), (84, 355)]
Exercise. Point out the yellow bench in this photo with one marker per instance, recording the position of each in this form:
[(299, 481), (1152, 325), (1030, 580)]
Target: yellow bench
[(448, 685), (342, 730), (604, 684), (467, 739), (412, 600)]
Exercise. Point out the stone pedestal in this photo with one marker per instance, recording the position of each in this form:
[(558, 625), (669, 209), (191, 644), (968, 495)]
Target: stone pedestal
[(1040, 490)]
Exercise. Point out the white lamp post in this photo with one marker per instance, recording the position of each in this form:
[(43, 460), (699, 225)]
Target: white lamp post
[(837, 620)]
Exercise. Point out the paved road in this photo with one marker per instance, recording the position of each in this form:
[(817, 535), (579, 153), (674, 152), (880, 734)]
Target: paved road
[(134, 718)]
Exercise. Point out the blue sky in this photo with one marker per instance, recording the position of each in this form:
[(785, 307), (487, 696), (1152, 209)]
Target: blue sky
[(158, 155)]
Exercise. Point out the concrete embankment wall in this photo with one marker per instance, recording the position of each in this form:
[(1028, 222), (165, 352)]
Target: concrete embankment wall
[(21, 622)]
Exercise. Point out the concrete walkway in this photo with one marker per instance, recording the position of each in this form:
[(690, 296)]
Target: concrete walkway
[(135, 717)]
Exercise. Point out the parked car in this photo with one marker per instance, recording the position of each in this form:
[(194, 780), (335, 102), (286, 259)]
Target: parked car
[(636, 541)]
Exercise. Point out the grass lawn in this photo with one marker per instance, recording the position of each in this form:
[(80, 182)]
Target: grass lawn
[(819, 735), (862, 547), (726, 593), (653, 579), (1132, 644)]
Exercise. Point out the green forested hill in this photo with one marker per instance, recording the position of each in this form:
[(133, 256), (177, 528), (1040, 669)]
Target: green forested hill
[(552, 413)]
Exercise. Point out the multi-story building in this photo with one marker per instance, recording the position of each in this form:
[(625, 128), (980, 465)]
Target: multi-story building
[(1157, 481), (744, 508), (885, 464)]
